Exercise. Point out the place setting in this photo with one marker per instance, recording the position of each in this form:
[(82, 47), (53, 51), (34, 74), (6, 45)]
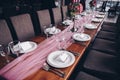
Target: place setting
[(18, 48), (96, 20), (99, 16), (101, 13), (83, 14), (60, 59), (90, 26), (78, 16), (81, 38), (67, 22), (51, 30)]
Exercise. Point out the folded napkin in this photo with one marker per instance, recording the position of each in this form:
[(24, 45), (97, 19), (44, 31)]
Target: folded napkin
[(53, 29), (26, 45), (96, 20), (81, 36), (77, 16), (99, 16), (62, 57), (67, 22)]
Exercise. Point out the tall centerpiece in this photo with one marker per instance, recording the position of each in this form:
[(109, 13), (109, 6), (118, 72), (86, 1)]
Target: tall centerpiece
[(75, 8), (92, 4)]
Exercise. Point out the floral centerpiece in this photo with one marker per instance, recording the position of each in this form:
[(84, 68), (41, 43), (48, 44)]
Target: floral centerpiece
[(92, 4), (75, 8)]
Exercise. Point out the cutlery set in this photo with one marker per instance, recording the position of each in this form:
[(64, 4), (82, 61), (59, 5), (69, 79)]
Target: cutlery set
[(60, 73)]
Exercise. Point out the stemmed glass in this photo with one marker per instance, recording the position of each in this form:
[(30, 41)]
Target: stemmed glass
[(15, 47), (61, 41), (4, 52), (46, 31)]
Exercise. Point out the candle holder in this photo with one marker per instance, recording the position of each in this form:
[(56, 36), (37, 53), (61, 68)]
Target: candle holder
[(74, 29)]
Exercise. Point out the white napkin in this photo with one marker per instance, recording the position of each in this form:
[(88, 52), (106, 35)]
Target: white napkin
[(67, 22), (53, 29), (90, 25), (77, 16), (62, 57), (100, 16), (81, 36), (26, 46)]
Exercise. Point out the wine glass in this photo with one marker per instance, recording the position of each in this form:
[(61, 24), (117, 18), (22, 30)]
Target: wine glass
[(4, 52), (46, 31), (61, 41), (15, 47)]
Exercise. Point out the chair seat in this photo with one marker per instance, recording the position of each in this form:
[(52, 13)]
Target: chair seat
[(105, 46), (110, 24), (109, 28), (102, 63), (107, 35), (85, 76)]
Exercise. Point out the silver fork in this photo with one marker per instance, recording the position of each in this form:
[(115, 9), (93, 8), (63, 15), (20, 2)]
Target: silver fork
[(46, 67)]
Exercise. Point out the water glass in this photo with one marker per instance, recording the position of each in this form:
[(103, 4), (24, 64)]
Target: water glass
[(15, 47), (61, 41), (4, 52), (46, 32)]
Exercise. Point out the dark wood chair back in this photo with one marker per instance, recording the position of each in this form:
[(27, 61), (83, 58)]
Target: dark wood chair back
[(23, 26), (5, 34)]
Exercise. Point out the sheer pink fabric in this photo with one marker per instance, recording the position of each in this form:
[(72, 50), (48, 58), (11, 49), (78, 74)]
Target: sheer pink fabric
[(31, 62)]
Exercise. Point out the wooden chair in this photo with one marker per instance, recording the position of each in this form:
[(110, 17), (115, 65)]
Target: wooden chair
[(106, 46), (57, 15), (5, 34), (44, 18), (107, 35), (85, 76), (64, 12), (103, 65), (23, 26)]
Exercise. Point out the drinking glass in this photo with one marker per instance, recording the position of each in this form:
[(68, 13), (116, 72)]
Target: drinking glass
[(15, 47), (61, 41), (4, 52), (46, 32)]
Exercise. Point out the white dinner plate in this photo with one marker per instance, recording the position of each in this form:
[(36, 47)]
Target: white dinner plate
[(67, 22), (51, 31), (51, 59), (81, 37), (90, 26), (99, 16), (101, 13), (28, 46), (96, 20)]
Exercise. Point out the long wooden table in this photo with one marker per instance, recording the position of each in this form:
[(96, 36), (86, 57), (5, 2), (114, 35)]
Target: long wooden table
[(76, 47)]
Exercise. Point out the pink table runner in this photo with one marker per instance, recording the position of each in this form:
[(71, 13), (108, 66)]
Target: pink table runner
[(31, 62)]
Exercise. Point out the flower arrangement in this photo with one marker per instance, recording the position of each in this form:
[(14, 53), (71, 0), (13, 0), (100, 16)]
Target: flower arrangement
[(75, 8), (92, 3)]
